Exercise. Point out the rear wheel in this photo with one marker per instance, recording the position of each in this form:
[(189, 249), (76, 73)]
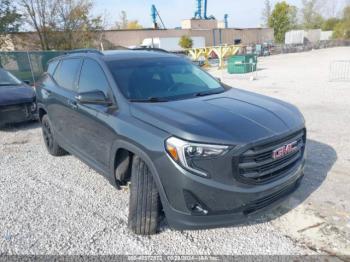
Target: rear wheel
[(144, 205), (49, 139)]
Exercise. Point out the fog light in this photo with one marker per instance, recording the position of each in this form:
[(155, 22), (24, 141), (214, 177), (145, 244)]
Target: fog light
[(197, 208), (194, 205)]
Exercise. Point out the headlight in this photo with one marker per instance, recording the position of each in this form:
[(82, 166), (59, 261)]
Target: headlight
[(187, 153)]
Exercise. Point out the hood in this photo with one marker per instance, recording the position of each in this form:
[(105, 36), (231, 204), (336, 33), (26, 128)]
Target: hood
[(234, 117), (12, 95)]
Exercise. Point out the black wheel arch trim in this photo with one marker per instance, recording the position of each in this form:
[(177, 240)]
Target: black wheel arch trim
[(41, 106), (122, 144)]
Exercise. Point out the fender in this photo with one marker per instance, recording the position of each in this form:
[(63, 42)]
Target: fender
[(122, 144), (41, 106)]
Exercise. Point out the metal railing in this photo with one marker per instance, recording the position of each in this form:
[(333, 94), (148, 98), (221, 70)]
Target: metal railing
[(339, 71), (221, 52)]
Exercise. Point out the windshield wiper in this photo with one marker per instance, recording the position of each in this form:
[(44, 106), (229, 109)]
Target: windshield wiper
[(150, 100), (9, 84), (207, 93)]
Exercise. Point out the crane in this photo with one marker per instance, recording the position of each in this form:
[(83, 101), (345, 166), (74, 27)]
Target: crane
[(154, 15), (226, 20), (205, 9), (198, 12)]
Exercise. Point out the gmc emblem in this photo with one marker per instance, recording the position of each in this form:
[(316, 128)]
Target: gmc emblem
[(285, 150)]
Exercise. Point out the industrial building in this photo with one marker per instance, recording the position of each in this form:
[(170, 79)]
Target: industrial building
[(214, 36), (215, 32)]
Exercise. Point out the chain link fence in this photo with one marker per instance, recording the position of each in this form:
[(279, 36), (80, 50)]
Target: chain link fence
[(27, 66), (286, 49), (340, 71)]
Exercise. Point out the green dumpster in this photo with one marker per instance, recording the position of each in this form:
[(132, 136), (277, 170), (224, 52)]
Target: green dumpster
[(242, 64)]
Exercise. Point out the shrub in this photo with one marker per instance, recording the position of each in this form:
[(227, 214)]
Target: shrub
[(186, 42)]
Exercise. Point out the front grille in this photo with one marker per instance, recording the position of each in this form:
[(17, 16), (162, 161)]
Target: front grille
[(270, 199), (256, 165)]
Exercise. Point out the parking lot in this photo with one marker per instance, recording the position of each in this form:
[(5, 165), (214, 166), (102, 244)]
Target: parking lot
[(60, 206)]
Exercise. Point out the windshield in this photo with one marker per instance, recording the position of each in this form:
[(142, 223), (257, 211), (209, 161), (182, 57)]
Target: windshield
[(162, 79), (7, 79)]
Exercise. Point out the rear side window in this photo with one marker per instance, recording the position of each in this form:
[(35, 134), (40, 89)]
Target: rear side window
[(66, 73), (52, 67), (93, 78)]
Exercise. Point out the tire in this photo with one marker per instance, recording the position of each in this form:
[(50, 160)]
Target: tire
[(49, 139), (144, 204)]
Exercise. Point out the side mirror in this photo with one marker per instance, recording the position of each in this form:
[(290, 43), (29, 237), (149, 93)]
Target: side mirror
[(93, 98), (218, 79), (26, 82)]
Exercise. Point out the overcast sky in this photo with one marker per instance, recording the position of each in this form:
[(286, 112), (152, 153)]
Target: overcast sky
[(242, 13)]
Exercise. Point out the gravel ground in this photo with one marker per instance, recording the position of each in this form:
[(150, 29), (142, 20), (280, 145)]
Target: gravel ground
[(319, 212), (60, 206)]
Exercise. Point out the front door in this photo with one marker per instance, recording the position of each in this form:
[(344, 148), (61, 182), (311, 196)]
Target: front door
[(95, 137)]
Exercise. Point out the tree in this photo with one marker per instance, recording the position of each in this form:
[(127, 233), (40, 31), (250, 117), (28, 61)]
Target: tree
[(266, 13), (134, 25), (185, 42), (330, 24), (311, 18), (331, 8), (293, 17), (79, 29), (123, 21), (342, 29), (9, 22), (9, 17), (40, 15), (282, 19), (61, 24)]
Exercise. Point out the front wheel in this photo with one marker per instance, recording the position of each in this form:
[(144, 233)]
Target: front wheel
[(49, 139), (144, 204)]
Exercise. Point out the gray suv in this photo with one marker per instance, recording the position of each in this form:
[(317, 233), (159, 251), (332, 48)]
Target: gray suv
[(191, 148)]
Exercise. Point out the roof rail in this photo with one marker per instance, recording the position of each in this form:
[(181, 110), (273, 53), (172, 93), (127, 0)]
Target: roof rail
[(85, 50), (150, 49)]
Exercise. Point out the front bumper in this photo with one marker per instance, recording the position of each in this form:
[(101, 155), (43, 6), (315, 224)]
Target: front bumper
[(12, 114), (224, 204)]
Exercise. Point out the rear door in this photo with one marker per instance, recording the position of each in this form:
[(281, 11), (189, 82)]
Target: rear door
[(95, 136), (62, 103)]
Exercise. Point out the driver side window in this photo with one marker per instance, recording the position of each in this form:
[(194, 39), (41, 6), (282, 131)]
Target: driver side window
[(92, 78)]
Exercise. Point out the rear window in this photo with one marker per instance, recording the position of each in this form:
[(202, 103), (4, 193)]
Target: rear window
[(66, 73)]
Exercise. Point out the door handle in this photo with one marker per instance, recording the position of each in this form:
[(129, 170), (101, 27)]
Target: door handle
[(73, 104)]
